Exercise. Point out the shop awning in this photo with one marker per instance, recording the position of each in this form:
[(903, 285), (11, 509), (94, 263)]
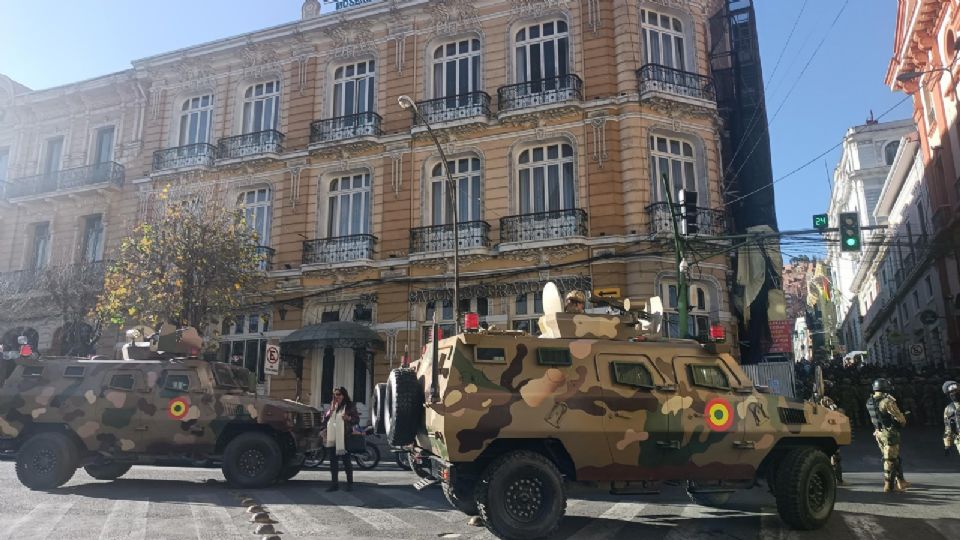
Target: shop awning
[(338, 334)]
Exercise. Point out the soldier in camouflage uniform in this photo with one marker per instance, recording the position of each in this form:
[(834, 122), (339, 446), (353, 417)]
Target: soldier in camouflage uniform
[(951, 418), (887, 422)]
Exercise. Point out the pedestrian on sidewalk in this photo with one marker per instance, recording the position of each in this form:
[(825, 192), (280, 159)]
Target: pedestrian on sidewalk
[(888, 421), (340, 419), (951, 418)]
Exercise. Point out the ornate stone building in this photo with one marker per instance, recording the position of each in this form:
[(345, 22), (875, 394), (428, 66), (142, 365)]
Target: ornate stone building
[(557, 119)]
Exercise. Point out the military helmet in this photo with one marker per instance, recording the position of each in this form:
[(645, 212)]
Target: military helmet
[(950, 386), (575, 295), (882, 385)]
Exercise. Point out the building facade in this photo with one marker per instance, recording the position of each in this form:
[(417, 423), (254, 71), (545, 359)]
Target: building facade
[(924, 66), (563, 124)]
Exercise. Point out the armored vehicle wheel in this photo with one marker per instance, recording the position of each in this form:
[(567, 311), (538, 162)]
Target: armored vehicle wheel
[(289, 471), (461, 494), (403, 406), (377, 411), (805, 489), (252, 460), (521, 495), (46, 461), (108, 471)]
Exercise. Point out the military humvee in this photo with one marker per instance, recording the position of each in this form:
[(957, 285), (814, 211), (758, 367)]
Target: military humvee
[(504, 419), (159, 408)]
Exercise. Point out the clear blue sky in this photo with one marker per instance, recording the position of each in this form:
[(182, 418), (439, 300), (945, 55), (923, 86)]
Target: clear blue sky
[(45, 44)]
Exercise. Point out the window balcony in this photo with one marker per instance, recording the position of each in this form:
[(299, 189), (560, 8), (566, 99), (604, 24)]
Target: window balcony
[(19, 281), (339, 249), (184, 157), (710, 222), (265, 254), (543, 226), (473, 106), (248, 145), (66, 180), (539, 93), (439, 238), (88, 275), (655, 78), (342, 128)]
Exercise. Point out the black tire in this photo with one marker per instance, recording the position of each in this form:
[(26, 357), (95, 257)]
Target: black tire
[(403, 406), (806, 489), (369, 458), (46, 461), (314, 459), (521, 496), (252, 460), (401, 458), (377, 411), (461, 494), (108, 471)]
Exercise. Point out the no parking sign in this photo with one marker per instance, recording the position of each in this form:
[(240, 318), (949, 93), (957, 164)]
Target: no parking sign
[(271, 364)]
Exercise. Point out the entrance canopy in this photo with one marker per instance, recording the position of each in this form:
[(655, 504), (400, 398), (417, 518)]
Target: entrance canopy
[(337, 334)]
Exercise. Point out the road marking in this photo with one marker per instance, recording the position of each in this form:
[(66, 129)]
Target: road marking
[(609, 523), (411, 497), (211, 518), (772, 528), (38, 523), (376, 518), (127, 519), (865, 526), (293, 517)]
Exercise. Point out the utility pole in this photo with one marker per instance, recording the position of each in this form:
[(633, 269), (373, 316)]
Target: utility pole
[(683, 297)]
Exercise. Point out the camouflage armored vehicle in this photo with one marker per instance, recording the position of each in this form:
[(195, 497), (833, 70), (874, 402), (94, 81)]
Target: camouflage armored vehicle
[(58, 414), (504, 420)]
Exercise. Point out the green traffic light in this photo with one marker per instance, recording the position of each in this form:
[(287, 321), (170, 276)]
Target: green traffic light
[(851, 242)]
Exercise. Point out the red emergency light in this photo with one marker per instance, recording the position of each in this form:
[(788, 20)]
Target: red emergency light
[(471, 322), (718, 333)]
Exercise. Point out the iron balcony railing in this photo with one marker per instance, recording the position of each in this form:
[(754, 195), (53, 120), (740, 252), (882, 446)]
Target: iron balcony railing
[(90, 175), (190, 155), (339, 249), (540, 92), (450, 109), (657, 78), (710, 222), (472, 234), (23, 281), (365, 124), (251, 144), (265, 254), (543, 226)]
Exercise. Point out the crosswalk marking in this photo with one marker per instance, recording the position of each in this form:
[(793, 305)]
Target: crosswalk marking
[(38, 523), (610, 522), (411, 497), (293, 517), (127, 519), (211, 517), (376, 518)]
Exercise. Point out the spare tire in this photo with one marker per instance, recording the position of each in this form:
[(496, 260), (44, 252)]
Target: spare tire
[(403, 407), (376, 412)]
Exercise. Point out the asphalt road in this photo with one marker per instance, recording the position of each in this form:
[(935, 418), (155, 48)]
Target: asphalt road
[(158, 503)]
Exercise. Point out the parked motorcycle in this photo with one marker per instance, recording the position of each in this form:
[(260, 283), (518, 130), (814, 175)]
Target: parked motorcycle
[(366, 460)]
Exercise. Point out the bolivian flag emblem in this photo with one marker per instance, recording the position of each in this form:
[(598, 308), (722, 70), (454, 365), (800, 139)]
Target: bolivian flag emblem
[(178, 407), (719, 414)]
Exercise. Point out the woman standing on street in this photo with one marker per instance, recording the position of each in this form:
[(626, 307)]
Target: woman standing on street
[(340, 419)]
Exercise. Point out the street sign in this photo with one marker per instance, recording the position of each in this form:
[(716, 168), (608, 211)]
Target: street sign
[(781, 337), (607, 292), (916, 352), (820, 222), (271, 364), (928, 317)]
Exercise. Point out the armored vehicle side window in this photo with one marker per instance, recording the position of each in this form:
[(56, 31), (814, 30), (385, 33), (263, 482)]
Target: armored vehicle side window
[(554, 357), (122, 381), (177, 381), (491, 355), (631, 374), (74, 371), (709, 376), (32, 371)]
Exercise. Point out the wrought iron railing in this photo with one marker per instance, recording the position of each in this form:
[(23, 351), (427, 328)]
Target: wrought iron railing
[(654, 77), (339, 249), (540, 92), (90, 175), (190, 155), (543, 226), (81, 274), (453, 108), (365, 124), (710, 222), (265, 254), (472, 234), (251, 144)]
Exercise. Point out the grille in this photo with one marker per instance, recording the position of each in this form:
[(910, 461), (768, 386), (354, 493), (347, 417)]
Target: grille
[(792, 416), (309, 419)]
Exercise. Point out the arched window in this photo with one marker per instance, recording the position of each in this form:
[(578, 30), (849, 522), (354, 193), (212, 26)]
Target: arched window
[(195, 116), (663, 40), (456, 68), (261, 107), (542, 51), (890, 152), (349, 205), (255, 205), (546, 178), (675, 159), (353, 88), (466, 173)]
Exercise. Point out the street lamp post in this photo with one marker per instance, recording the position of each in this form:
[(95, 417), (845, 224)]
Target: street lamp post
[(406, 102)]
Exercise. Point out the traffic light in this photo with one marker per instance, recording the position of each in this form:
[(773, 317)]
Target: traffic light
[(820, 222), (688, 212), (849, 231)]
